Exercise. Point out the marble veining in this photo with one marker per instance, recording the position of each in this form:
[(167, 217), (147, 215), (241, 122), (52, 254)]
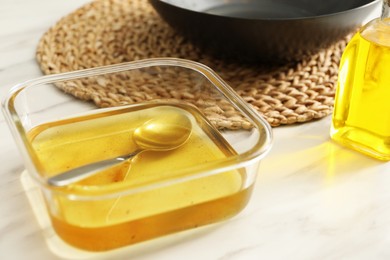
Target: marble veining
[(313, 199)]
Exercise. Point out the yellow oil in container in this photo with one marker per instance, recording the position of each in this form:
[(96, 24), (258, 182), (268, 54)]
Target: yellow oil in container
[(361, 118), (99, 222)]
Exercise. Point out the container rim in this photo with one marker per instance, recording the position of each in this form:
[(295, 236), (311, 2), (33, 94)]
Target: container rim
[(256, 153), (277, 19)]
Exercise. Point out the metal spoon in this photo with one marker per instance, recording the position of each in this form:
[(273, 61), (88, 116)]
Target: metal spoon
[(163, 133)]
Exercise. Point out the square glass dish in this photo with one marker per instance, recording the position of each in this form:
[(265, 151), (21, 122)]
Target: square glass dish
[(207, 177)]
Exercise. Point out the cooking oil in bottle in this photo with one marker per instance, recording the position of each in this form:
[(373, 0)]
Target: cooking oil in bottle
[(361, 118)]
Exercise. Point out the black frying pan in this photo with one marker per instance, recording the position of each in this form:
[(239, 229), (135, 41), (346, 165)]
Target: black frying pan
[(265, 30)]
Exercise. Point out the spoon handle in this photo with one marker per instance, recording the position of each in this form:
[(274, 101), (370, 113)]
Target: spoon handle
[(83, 172)]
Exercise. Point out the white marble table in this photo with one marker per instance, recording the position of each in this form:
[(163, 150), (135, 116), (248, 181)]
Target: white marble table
[(313, 199)]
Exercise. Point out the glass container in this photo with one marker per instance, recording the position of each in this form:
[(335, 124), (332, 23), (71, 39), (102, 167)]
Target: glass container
[(207, 180)]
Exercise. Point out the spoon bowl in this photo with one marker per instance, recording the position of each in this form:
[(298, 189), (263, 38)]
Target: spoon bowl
[(164, 133)]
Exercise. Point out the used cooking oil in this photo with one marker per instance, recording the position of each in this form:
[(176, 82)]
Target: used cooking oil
[(361, 118), (102, 214)]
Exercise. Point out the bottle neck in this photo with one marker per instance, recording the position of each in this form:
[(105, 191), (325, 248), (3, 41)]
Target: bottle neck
[(385, 9)]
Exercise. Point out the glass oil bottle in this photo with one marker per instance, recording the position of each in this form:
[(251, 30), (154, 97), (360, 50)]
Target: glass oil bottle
[(361, 117)]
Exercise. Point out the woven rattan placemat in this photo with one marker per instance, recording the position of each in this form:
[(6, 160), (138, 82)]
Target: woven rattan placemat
[(114, 31)]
